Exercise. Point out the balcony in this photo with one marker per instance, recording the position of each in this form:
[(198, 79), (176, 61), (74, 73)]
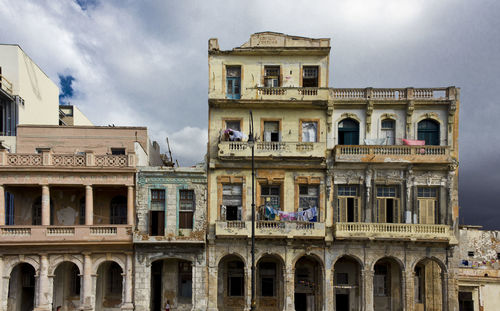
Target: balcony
[(271, 229), (185, 236), (397, 154), (290, 93), (57, 235), (238, 149), (384, 231), (6, 85), (49, 159), (397, 94)]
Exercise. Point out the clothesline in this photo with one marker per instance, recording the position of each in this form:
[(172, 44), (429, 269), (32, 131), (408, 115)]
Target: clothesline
[(310, 214)]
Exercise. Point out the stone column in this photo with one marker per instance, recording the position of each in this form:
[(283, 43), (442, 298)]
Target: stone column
[(127, 283), (43, 293), (87, 297), (367, 279), (329, 297), (130, 205), (2, 205), (445, 293), (212, 278), (248, 292), (89, 205), (3, 298), (289, 292), (45, 206), (409, 278)]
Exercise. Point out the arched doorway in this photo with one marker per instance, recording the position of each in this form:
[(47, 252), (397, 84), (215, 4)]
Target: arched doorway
[(347, 280), (172, 281), (348, 132), (269, 287), (21, 295), (308, 284), (387, 285), (428, 130), (231, 291), (428, 286), (109, 286), (67, 285)]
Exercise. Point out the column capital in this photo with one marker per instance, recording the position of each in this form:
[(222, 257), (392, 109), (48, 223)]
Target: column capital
[(86, 254)]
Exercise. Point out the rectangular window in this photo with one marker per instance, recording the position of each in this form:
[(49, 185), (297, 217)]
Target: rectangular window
[(419, 285), (388, 205), (310, 76), (185, 279), (309, 131), (233, 124), (308, 197), (270, 195), (271, 76), (186, 209), (272, 131), (388, 131), (342, 278), (233, 82), (9, 208), (380, 281), (348, 206), (157, 199), (427, 204), (231, 202)]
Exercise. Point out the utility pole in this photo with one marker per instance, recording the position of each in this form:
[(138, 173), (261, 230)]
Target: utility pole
[(251, 143)]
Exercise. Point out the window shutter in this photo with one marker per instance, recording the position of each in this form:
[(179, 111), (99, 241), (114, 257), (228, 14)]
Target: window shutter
[(342, 203), (357, 210), (430, 211), (381, 211), (422, 211), (396, 212), (239, 213)]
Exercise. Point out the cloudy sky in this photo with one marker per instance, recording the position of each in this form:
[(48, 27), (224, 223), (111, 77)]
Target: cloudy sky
[(145, 63)]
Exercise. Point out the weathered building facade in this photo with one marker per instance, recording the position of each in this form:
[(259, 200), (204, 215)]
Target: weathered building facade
[(385, 210), (169, 240), (66, 217), (478, 261)]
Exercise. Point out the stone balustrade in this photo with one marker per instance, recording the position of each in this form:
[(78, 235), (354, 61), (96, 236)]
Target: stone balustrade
[(231, 149), (392, 153), (10, 235), (290, 93), (393, 93), (271, 229), (397, 231), (47, 158)]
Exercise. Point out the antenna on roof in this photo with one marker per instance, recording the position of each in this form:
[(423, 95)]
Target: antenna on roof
[(167, 158)]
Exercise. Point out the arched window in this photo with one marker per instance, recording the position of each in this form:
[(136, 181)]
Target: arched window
[(428, 130), (389, 131), (348, 132), (118, 209)]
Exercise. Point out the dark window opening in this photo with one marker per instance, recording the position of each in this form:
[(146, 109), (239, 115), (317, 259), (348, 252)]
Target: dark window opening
[(234, 125), (118, 151), (390, 211), (310, 76), (235, 278), (350, 210), (342, 278), (75, 281), (267, 272), (114, 279), (270, 195), (231, 202), (348, 132), (81, 215), (156, 223), (232, 213), (470, 253), (428, 130), (381, 280), (9, 208), (118, 209), (465, 301)]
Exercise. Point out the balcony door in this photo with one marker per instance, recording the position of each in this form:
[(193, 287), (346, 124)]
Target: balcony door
[(348, 133), (428, 130), (233, 82)]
